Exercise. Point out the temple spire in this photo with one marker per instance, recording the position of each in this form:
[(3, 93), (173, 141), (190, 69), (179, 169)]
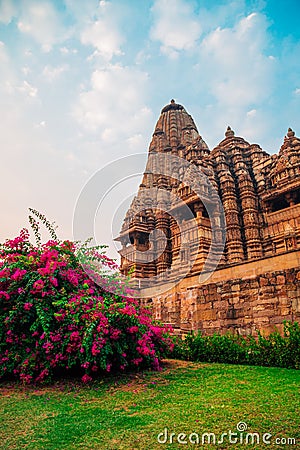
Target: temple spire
[(175, 128)]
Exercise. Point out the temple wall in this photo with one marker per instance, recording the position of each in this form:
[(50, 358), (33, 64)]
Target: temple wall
[(244, 298), (257, 284)]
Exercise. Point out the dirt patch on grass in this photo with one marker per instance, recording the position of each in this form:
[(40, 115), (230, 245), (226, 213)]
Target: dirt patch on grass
[(173, 364), (137, 382)]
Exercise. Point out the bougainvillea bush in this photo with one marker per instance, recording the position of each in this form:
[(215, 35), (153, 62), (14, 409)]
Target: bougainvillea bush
[(54, 318)]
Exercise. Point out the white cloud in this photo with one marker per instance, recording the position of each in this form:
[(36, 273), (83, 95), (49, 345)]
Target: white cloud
[(251, 113), (28, 53), (142, 57), (82, 10), (52, 73), (67, 51), (8, 78), (103, 33), (114, 102), (297, 91), (7, 11), (25, 70), (42, 22), (28, 89), (175, 26), (135, 142), (240, 74)]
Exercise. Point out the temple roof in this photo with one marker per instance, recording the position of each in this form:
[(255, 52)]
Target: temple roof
[(174, 128), (172, 105)]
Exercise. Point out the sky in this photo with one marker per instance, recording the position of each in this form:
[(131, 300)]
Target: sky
[(82, 84)]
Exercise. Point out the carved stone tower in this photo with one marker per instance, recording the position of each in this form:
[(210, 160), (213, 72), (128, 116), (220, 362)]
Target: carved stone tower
[(172, 223)]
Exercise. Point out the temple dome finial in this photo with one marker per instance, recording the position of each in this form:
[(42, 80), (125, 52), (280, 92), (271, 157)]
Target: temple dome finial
[(229, 132), (172, 106), (290, 133)]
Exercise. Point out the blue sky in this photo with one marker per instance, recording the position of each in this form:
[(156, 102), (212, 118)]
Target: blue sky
[(82, 84)]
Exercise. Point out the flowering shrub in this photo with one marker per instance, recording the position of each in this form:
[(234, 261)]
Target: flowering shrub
[(53, 317)]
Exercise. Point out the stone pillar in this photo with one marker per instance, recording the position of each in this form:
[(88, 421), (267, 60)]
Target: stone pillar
[(249, 208), (234, 243)]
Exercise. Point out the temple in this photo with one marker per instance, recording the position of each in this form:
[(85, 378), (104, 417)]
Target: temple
[(236, 191)]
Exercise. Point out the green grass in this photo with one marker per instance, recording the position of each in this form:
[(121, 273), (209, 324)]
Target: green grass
[(128, 412)]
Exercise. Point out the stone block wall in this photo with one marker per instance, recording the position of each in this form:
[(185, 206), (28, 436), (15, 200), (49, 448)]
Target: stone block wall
[(240, 305)]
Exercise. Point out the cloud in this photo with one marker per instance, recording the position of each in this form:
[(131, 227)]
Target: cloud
[(240, 74), (11, 85), (7, 75), (28, 89), (67, 51), (42, 22), (52, 73), (251, 113), (297, 91), (114, 102), (175, 26), (103, 33), (26, 70), (7, 11), (29, 159)]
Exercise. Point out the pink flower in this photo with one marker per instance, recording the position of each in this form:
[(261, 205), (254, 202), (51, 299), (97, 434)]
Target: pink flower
[(54, 281), (133, 329), (48, 347), (156, 365), (44, 271), (115, 335), (74, 336), (4, 294), (25, 378), (4, 273), (128, 310), (55, 337), (42, 375), (38, 285), (137, 361), (72, 277), (27, 306), (18, 275), (51, 266), (86, 378), (96, 347)]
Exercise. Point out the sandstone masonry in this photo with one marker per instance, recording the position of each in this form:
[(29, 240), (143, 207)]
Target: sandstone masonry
[(256, 285)]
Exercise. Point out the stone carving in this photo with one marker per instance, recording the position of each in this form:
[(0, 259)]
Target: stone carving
[(260, 194)]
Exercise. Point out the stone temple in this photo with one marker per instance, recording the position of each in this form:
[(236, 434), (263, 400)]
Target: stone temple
[(255, 284)]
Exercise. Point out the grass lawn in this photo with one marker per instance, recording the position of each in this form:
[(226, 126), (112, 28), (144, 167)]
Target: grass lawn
[(128, 412)]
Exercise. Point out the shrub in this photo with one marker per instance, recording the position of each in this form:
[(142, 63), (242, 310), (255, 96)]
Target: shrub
[(54, 317), (274, 350)]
